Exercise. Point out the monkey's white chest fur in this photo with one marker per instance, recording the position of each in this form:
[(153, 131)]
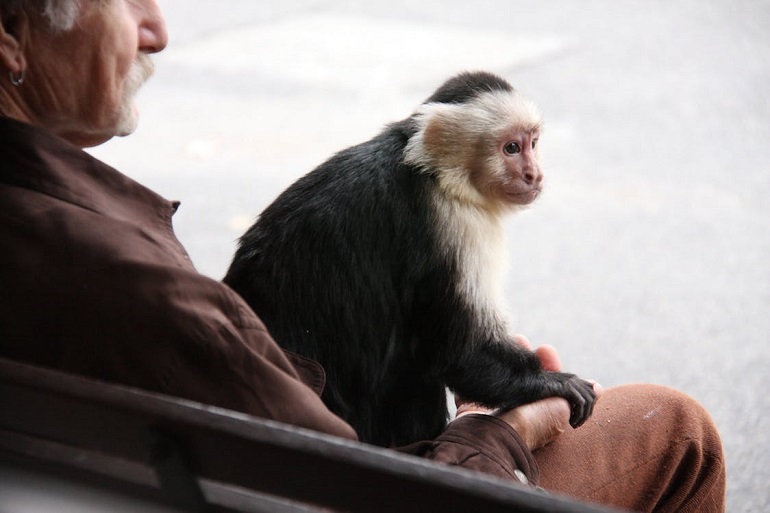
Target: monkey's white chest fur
[(475, 241)]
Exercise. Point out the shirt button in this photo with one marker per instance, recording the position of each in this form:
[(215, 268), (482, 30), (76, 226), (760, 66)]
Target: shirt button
[(521, 476)]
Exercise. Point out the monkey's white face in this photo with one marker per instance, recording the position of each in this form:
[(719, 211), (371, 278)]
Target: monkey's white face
[(484, 152), (521, 179)]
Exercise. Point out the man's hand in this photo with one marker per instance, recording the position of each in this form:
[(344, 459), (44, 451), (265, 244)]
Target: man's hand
[(538, 423)]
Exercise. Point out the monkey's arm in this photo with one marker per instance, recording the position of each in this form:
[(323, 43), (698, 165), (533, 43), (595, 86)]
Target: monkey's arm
[(503, 374)]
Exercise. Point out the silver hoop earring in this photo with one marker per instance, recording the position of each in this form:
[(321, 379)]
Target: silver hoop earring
[(16, 79)]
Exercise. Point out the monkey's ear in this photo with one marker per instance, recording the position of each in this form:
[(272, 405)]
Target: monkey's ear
[(442, 137)]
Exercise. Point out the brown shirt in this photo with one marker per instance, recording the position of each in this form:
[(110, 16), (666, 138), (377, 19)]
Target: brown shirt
[(93, 281)]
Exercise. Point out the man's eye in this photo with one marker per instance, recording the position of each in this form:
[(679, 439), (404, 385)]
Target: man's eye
[(512, 148), (534, 143)]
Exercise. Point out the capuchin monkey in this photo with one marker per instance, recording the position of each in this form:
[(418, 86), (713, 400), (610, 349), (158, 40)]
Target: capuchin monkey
[(385, 265)]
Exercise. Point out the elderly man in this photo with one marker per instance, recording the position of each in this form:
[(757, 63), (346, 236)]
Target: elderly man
[(93, 281)]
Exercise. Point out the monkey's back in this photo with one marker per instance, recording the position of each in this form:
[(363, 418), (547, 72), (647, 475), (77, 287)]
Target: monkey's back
[(333, 268)]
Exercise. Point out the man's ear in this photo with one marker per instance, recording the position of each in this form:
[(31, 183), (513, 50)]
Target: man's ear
[(14, 30)]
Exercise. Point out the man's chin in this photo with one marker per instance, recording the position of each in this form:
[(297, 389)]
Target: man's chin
[(91, 140), (128, 122), (124, 131)]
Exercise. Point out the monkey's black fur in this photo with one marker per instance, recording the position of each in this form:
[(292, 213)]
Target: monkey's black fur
[(346, 267), (467, 86)]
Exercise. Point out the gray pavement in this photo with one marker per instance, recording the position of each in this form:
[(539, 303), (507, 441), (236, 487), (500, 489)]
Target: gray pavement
[(647, 258)]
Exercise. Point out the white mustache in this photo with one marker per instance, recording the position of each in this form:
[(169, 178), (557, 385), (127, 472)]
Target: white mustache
[(141, 70)]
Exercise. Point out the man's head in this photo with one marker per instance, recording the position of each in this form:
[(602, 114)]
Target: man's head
[(74, 66)]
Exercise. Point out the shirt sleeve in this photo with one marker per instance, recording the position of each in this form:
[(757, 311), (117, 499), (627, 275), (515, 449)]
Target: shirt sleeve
[(483, 443)]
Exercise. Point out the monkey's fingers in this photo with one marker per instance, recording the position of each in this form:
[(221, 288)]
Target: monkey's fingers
[(582, 397), (579, 393)]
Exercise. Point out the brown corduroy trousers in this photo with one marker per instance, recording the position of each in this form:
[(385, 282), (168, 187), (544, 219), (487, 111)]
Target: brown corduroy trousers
[(646, 448)]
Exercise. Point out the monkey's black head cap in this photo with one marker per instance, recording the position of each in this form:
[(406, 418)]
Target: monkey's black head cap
[(469, 85)]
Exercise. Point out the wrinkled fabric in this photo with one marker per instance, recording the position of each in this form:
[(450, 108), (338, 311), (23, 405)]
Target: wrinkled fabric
[(93, 281), (646, 448), (484, 443)]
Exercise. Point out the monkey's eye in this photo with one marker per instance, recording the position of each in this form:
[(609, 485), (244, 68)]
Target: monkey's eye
[(512, 148), (534, 143)]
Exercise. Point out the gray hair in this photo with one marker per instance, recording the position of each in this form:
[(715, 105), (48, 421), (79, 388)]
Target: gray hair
[(61, 14)]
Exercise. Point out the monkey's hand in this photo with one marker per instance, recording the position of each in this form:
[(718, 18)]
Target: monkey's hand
[(582, 406), (579, 393)]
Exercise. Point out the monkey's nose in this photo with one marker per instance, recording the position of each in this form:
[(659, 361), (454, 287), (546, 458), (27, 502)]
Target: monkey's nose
[(532, 177)]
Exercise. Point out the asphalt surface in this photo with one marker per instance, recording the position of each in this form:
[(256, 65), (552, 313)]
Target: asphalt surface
[(646, 260)]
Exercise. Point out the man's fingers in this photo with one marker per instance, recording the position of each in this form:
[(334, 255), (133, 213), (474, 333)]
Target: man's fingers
[(523, 342), (549, 358)]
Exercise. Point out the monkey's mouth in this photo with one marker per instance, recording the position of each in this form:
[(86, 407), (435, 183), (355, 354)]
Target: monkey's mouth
[(523, 197)]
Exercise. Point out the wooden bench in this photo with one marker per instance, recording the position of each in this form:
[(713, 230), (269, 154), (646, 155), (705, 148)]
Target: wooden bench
[(193, 457)]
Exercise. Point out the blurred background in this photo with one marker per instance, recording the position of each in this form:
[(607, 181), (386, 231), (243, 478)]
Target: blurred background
[(648, 257)]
